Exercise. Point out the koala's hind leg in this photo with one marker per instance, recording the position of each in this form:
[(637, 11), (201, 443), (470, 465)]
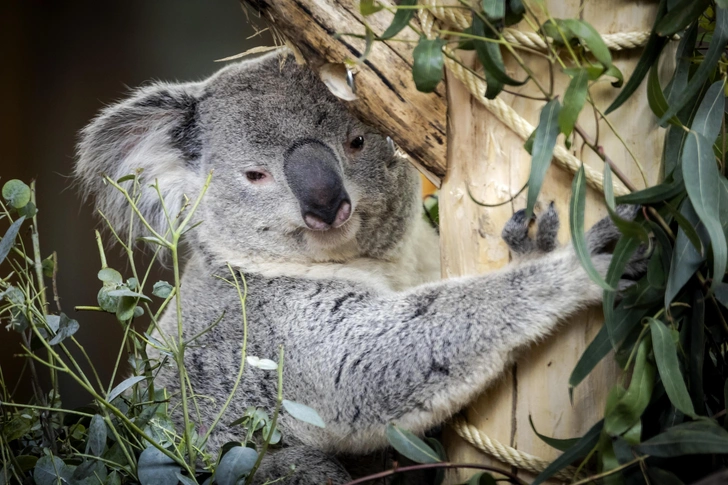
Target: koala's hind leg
[(515, 232), (312, 467)]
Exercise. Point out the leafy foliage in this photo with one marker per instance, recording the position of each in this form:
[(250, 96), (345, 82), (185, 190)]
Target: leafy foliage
[(127, 434), (669, 330)]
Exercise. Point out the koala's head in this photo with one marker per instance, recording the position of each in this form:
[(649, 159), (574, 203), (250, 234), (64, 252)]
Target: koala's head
[(296, 177)]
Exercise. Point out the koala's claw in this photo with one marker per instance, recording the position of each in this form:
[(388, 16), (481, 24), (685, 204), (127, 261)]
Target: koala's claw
[(515, 232)]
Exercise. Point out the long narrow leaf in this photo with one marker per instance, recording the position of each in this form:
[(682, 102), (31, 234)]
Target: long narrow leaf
[(579, 450), (594, 353), (543, 148), (428, 61), (8, 240), (490, 57), (577, 209), (591, 39), (574, 99), (668, 366), (709, 118), (682, 14), (714, 53), (400, 21), (702, 181), (686, 259)]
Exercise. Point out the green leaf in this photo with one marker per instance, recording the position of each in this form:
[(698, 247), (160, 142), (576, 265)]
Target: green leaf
[(235, 464), (96, 436), (594, 353), (156, 468), (126, 178), (50, 470), (410, 445), (28, 210), (579, 450), (559, 444), (712, 56), (590, 39), (697, 352), (558, 31), (574, 99), (401, 19), (368, 7), (442, 454), (623, 251), (683, 63), (494, 9), (489, 55), (655, 96), (369, 42), (543, 148), (629, 408), (482, 478), (709, 117), (16, 193), (702, 181), (628, 228), (613, 71), (703, 437), (131, 294), (162, 289), (682, 14), (663, 477), (106, 302), (654, 194), (110, 276), (66, 328), (428, 61), (123, 386), (650, 55), (303, 413), (8, 240), (685, 258), (577, 209), (665, 351), (185, 480)]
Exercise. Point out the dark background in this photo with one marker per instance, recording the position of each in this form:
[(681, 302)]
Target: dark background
[(61, 61)]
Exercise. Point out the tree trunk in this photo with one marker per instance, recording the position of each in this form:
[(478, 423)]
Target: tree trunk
[(487, 157)]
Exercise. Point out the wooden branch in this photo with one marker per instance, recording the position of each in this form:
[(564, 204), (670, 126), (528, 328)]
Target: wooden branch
[(387, 97)]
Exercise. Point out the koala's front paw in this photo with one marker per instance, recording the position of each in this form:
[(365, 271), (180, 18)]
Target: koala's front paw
[(515, 232)]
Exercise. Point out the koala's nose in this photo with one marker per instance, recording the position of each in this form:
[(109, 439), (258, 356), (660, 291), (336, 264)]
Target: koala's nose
[(313, 174)]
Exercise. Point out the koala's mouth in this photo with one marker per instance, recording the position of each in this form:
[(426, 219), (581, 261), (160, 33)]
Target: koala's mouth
[(333, 237)]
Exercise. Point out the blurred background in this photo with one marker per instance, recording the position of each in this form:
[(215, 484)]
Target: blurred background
[(61, 62)]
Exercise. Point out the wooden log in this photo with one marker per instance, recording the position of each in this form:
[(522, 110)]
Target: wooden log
[(487, 157), (387, 97)]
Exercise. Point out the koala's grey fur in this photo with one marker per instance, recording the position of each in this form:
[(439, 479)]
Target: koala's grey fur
[(370, 334)]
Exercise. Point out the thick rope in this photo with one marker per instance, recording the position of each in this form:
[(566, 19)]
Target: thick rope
[(505, 453), (460, 20)]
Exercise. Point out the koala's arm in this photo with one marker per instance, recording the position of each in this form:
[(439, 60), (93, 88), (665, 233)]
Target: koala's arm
[(416, 357)]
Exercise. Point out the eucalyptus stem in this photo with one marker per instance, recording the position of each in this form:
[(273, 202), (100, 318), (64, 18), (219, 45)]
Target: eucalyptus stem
[(274, 421)]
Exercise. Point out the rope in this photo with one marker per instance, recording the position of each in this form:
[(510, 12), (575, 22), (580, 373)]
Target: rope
[(504, 453), (504, 113), (457, 18)]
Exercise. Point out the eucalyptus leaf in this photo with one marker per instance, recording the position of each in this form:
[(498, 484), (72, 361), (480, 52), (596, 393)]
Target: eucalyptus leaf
[(264, 364), (574, 99), (401, 19), (702, 181), (156, 468), (559, 444), (489, 54), (368, 7), (579, 450), (235, 464), (110, 276), (303, 413), (494, 9), (709, 117), (650, 55), (543, 148), (428, 62), (162, 289), (8, 240), (712, 56), (592, 355), (17, 193), (51, 470), (654, 194), (697, 352), (665, 352), (410, 445), (629, 408), (577, 208), (697, 437), (123, 386), (623, 251), (655, 97), (66, 328), (680, 16), (591, 39), (129, 293)]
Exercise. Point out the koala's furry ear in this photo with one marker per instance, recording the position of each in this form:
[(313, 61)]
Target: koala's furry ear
[(155, 133)]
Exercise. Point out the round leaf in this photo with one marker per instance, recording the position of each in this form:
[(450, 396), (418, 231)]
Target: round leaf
[(303, 413), (16, 193), (156, 468), (410, 445), (234, 465)]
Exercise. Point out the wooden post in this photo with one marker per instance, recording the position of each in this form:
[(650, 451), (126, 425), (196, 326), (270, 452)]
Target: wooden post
[(487, 157)]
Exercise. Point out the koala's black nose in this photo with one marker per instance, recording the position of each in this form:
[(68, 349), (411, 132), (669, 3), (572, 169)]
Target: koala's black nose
[(313, 174)]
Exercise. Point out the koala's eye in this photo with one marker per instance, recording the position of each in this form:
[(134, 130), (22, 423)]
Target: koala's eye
[(357, 143), (254, 176)]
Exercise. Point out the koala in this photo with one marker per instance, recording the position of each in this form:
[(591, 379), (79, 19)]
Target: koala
[(324, 220)]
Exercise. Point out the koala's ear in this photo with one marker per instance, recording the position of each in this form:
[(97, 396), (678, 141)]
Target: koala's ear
[(156, 132)]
